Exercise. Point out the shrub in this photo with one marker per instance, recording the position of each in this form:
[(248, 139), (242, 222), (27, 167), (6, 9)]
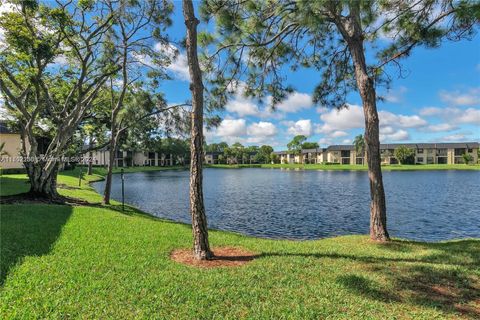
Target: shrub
[(405, 155)]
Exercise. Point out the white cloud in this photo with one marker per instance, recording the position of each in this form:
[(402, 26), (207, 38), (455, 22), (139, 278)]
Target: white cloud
[(388, 119), (395, 95), (441, 127), (295, 102), (301, 127), (179, 65), (455, 137), (262, 129), (398, 135), (338, 134), (232, 128), (242, 106), (344, 119), (430, 111), (454, 115), (457, 98)]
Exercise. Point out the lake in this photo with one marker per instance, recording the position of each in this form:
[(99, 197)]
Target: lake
[(297, 204)]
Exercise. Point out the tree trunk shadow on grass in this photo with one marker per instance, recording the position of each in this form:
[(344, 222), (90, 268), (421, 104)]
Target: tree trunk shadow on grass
[(424, 286), (446, 280), (27, 231)]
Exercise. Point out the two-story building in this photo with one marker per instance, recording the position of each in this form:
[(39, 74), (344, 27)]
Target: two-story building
[(425, 153)]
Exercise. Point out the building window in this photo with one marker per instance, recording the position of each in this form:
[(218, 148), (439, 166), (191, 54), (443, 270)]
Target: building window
[(470, 150), (442, 152), (420, 159), (430, 160), (419, 150), (345, 153), (459, 152), (442, 160)]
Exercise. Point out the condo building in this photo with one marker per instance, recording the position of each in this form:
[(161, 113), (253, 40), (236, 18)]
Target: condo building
[(425, 153)]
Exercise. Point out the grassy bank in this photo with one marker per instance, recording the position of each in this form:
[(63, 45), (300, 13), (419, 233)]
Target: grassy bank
[(98, 262), (350, 167)]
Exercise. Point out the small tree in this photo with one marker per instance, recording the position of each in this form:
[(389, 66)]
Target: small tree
[(359, 143), (36, 37), (295, 146), (310, 145), (264, 154), (467, 158), (274, 157), (405, 155)]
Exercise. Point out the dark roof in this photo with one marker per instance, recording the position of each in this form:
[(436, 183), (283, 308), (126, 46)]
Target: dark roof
[(446, 145), (316, 150), (341, 147)]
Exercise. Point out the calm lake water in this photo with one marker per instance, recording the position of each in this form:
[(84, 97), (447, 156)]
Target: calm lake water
[(289, 204)]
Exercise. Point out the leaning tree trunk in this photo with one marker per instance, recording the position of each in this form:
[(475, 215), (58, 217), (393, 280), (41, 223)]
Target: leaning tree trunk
[(352, 32), (201, 247)]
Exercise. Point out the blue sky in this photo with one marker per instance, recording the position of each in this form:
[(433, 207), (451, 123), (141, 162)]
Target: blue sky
[(439, 100)]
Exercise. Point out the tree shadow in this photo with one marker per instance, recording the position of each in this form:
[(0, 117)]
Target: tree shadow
[(28, 231), (462, 252), (448, 290), (446, 280), (362, 285), (10, 186)]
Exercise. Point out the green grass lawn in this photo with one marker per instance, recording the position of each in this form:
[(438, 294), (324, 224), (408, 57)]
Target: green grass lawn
[(99, 262), (350, 167)]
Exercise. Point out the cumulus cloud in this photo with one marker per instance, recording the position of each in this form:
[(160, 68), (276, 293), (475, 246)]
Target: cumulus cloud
[(242, 106), (457, 98), (441, 127), (388, 119), (457, 137), (338, 134), (262, 129), (395, 135), (295, 102), (454, 115), (343, 119), (232, 128), (179, 65), (248, 106), (301, 127)]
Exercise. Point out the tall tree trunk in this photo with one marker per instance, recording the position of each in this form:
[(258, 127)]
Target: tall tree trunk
[(351, 30), (201, 246), (108, 178), (90, 160)]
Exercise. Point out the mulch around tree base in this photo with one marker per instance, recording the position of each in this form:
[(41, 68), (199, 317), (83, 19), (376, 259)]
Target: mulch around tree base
[(223, 257)]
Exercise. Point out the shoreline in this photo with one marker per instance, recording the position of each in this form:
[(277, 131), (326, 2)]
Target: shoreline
[(347, 167)]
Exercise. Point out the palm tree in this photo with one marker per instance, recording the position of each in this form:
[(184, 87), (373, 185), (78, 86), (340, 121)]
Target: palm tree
[(359, 143)]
